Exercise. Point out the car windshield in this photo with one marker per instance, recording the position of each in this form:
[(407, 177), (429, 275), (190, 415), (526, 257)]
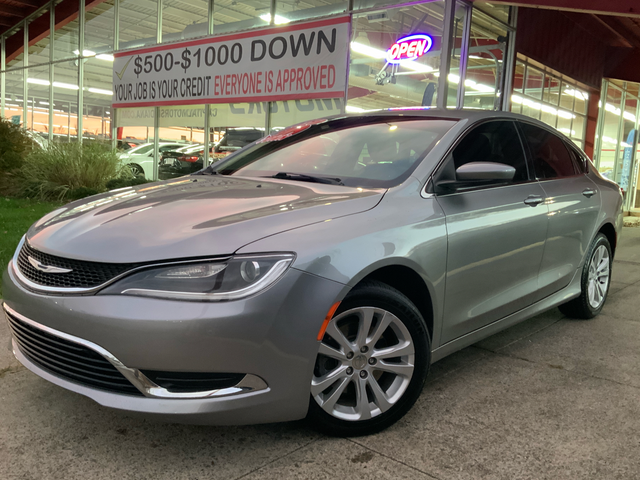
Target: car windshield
[(192, 148), (141, 149), (171, 146), (365, 152)]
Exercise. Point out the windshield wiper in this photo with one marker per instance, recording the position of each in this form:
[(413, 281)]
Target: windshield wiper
[(205, 171), (307, 178)]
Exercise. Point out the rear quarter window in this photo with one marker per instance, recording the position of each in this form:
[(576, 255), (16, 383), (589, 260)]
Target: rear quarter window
[(549, 154)]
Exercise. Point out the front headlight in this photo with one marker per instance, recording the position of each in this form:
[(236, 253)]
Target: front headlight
[(233, 279)]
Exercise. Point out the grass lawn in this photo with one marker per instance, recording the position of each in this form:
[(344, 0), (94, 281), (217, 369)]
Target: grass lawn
[(16, 216)]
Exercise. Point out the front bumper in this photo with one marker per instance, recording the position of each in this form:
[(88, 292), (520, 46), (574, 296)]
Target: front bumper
[(271, 337)]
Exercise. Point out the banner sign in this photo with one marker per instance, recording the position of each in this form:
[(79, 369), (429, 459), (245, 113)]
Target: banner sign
[(283, 114), (289, 62)]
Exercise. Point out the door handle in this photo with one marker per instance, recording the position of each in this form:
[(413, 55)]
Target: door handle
[(533, 200), (588, 193)]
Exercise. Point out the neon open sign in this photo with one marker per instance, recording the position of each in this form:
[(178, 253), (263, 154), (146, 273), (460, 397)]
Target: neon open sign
[(409, 48)]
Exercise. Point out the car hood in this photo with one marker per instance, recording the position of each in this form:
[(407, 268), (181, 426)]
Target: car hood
[(190, 217)]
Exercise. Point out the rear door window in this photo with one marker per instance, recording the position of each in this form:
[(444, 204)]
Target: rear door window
[(549, 154)]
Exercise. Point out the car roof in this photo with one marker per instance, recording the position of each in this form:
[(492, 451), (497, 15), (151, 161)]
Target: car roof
[(438, 113), (470, 115)]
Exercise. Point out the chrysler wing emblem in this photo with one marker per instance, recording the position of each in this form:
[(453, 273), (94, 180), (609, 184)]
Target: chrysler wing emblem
[(47, 268)]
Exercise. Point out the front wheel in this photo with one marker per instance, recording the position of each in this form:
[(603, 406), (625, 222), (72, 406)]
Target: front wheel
[(596, 275), (372, 363)]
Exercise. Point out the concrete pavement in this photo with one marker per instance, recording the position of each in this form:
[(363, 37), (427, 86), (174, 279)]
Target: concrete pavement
[(551, 398)]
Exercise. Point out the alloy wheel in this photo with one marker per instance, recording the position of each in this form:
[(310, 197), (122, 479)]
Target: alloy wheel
[(364, 365), (598, 281)]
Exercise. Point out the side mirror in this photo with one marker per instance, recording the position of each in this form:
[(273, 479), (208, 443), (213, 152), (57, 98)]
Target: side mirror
[(485, 171), (475, 174)]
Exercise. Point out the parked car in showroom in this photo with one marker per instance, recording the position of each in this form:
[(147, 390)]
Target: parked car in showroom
[(318, 272), (140, 158), (182, 161), (236, 138)]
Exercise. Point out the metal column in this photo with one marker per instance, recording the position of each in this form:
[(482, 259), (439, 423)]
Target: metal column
[(464, 53), (156, 110), (207, 109), (159, 24), (116, 41), (210, 17), (81, 17), (616, 165), (510, 62), (633, 180), (597, 149), (52, 29), (267, 105), (25, 72), (445, 54), (3, 92)]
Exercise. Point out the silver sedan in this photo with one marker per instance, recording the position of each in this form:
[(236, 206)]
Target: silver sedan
[(317, 272)]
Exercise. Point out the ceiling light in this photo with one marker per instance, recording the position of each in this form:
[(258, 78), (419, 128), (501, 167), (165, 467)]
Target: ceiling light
[(539, 106), (105, 56), (368, 51), (351, 109), (101, 91), (478, 86), (37, 81), (278, 20), (68, 86), (85, 53), (418, 67), (577, 93)]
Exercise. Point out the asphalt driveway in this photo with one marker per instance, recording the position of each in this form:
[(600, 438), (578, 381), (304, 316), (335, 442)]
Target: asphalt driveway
[(551, 398)]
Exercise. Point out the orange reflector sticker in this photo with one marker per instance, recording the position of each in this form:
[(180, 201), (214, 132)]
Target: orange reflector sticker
[(327, 319)]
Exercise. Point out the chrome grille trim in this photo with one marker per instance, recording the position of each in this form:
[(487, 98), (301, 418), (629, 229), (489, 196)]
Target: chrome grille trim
[(36, 287), (66, 273), (250, 383)]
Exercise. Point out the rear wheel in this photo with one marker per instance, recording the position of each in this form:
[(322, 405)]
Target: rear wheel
[(372, 363), (137, 170), (596, 275)]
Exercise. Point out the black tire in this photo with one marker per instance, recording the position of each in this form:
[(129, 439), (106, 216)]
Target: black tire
[(381, 296), (580, 307), (137, 170)]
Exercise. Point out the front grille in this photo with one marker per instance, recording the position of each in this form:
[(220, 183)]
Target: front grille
[(69, 360), (83, 274), (179, 382)]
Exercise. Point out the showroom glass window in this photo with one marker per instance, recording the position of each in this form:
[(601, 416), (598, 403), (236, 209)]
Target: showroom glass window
[(616, 135), (375, 84), (558, 102), (485, 65)]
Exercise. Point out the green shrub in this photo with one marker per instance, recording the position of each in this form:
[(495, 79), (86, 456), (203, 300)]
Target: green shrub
[(126, 182), (66, 170), (81, 192), (14, 146)]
